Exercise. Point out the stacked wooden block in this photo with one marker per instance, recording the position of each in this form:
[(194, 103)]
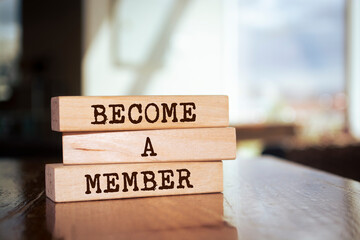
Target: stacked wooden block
[(139, 146)]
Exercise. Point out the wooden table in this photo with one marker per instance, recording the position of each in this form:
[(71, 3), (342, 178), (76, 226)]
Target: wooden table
[(264, 198), (265, 132)]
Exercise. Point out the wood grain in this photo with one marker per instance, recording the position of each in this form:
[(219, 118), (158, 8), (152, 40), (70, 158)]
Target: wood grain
[(264, 198), (112, 181), (198, 144), (76, 114), (197, 215), (275, 199)]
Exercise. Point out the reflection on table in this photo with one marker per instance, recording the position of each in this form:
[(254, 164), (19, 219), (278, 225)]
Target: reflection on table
[(191, 217)]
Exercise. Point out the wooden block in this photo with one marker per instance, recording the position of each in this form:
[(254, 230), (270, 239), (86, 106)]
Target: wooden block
[(112, 181), (77, 114), (197, 144)]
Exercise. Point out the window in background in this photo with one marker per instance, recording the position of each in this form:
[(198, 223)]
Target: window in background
[(10, 33), (293, 53), (9, 46), (353, 60), (278, 61)]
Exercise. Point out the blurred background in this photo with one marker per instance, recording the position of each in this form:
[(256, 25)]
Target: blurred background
[(291, 69)]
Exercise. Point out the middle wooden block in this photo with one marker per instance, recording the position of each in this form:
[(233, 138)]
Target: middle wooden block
[(197, 144)]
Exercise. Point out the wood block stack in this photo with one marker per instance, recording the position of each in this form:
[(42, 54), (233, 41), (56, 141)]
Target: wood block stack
[(139, 146)]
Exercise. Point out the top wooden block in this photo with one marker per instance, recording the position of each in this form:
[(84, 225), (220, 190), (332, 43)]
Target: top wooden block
[(78, 113)]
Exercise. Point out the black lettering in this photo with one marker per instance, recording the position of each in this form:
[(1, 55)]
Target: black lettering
[(148, 147), (169, 111), (138, 106), (111, 182), (130, 180), (166, 179), (98, 113), (149, 179), (117, 113), (93, 183), (156, 111), (184, 178), (188, 111)]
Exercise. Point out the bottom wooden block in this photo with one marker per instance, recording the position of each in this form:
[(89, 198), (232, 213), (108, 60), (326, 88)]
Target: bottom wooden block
[(112, 181)]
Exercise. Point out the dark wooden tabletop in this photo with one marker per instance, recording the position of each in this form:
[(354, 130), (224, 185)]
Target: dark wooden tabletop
[(264, 198)]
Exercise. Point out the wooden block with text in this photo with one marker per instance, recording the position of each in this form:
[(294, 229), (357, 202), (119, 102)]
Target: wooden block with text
[(112, 181), (79, 113), (195, 144)]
